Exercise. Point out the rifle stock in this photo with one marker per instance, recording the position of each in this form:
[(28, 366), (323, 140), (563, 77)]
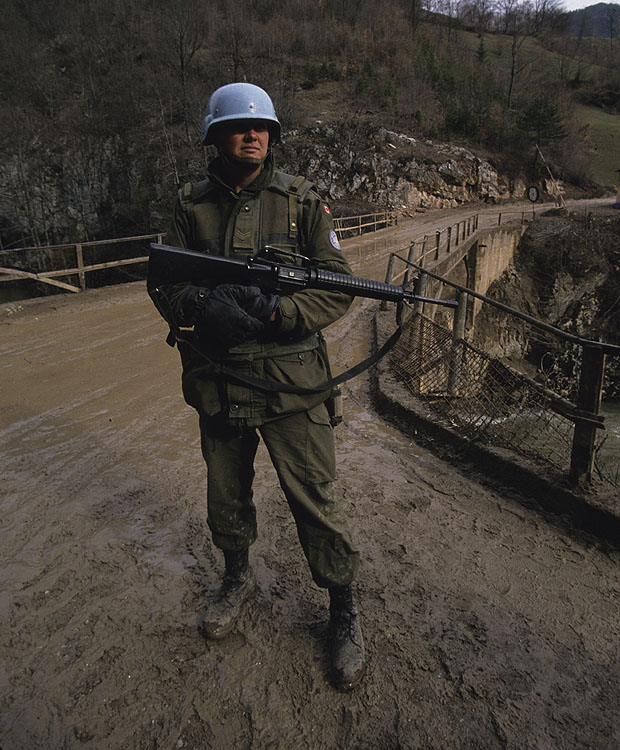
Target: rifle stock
[(172, 265)]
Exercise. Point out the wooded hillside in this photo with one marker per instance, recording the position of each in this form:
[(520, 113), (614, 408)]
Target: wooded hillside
[(103, 100)]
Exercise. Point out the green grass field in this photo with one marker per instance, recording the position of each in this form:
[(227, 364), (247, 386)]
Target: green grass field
[(536, 59), (605, 134)]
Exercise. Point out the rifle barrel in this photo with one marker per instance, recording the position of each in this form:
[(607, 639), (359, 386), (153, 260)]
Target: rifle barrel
[(361, 287), (174, 264)]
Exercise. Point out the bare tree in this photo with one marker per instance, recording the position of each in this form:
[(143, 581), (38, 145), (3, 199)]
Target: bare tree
[(415, 16), (452, 11), (612, 16), (544, 14), (505, 11), (479, 13), (182, 27), (518, 24)]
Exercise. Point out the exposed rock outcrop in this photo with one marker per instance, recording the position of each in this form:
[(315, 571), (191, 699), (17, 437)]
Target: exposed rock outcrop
[(383, 168), (566, 273), (101, 188)]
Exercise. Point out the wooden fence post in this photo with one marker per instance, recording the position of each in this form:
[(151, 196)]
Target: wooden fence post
[(423, 251), (588, 400), (420, 290), (79, 257), (411, 259), (389, 275)]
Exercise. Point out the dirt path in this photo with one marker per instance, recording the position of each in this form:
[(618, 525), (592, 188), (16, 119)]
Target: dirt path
[(487, 625)]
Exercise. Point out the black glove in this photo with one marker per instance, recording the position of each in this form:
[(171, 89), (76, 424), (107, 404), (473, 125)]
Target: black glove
[(258, 305), (193, 304), (222, 320)]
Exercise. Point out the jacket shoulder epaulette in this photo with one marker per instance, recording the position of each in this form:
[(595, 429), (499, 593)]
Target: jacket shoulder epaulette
[(195, 191), (289, 184)]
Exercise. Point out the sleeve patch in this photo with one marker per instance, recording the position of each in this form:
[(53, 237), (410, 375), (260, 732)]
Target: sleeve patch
[(333, 238), (326, 208)]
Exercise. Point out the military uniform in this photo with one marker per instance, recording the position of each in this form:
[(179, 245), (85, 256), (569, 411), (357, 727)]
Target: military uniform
[(283, 211)]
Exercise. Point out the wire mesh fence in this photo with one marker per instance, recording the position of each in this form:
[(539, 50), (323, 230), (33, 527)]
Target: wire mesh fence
[(485, 399)]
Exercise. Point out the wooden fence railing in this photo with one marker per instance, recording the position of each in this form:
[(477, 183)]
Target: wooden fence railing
[(70, 275), (79, 269), (351, 226)]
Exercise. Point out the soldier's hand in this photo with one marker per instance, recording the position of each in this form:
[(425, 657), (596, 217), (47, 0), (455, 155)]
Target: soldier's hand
[(223, 321), (261, 306), (193, 304)]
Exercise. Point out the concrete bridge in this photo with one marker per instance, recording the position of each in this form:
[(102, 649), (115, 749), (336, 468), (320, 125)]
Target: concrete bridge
[(468, 255), (470, 247)]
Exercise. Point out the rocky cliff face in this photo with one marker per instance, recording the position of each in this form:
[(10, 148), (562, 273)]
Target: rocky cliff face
[(566, 272), (100, 188), (380, 168)]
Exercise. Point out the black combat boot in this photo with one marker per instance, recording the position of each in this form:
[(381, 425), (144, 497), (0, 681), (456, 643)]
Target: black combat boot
[(237, 587), (347, 644)]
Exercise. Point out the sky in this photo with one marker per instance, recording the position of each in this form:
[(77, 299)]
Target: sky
[(576, 4)]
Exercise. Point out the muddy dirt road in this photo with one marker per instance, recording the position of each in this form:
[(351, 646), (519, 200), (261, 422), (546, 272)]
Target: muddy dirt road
[(487, 625)]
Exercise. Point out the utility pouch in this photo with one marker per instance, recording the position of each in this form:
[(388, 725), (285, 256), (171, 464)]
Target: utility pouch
[(334, 407)]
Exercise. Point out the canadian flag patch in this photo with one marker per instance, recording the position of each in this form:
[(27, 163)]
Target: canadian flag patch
[(326, 208)]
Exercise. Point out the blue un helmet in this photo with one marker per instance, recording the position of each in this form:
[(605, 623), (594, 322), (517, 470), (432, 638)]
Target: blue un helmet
[(239, 101)]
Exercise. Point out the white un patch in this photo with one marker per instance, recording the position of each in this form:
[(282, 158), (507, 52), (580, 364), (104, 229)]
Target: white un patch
[(333, 238)]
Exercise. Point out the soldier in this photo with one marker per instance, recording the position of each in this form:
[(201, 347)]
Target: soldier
[(242, 206)]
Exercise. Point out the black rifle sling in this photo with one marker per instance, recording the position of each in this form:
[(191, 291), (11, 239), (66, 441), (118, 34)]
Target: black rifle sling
[(176, 336), (267, 385)]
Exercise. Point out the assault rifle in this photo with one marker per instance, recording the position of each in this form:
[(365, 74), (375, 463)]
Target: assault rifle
[(172, 265)]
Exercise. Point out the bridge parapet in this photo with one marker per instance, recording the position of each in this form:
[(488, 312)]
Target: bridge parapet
[(498, 398)]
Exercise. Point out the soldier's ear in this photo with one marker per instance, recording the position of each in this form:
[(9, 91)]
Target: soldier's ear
[(274, 135), (215, 136)]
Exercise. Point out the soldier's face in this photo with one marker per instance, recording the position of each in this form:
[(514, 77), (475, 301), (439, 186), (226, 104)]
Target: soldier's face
[(244, 140)]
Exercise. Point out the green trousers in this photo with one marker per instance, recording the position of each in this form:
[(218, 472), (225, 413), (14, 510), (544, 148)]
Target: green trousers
[(301, 448)]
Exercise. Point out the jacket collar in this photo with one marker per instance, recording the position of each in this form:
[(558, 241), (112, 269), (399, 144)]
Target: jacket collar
[(217, 173)]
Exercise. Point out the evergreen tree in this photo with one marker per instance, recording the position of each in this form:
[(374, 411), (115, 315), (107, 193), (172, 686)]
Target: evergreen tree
[(540, 122)]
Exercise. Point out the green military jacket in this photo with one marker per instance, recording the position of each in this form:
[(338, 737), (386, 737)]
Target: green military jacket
[(280, 210)]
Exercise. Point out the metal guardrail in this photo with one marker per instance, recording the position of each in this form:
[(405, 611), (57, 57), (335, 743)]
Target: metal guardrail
[(584, 414)]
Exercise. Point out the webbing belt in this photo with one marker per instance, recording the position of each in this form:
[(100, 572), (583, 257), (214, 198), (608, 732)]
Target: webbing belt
[(176, 336), (268, 385)]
